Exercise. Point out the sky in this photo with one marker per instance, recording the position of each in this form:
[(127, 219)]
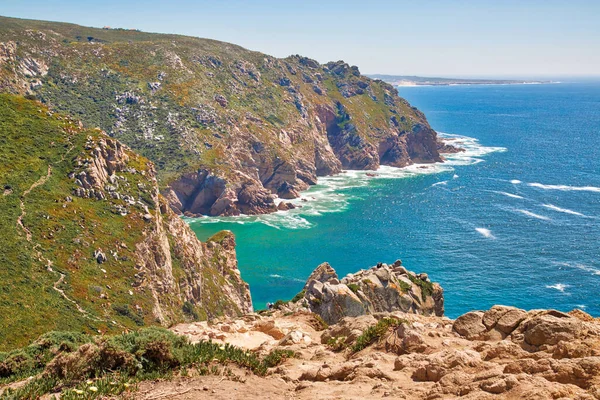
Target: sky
[(450, 38)]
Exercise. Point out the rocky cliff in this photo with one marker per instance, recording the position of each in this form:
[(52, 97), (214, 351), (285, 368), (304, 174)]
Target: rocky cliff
[(88, 243), (383, 288), (228, 129)]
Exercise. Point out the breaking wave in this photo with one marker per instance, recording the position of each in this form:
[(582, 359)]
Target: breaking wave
[(565, 188), (514, 196), (485, 233), (533, 215), (558, 286), (563, 210)]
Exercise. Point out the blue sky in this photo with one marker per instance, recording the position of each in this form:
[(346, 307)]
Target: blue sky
[(445, 38)]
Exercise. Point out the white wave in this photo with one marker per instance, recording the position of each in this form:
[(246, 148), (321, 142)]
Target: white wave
[(583, 267), (533, 215), (473, 149), (515, 181), (559, 286), (582, 306), (514, 196), (565, 188), (440, 183), (327, 196), (563, 210), (455, 176), (486, 233), (277, 276)]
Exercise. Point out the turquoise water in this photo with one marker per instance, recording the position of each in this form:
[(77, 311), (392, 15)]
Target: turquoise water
[(515, 220)]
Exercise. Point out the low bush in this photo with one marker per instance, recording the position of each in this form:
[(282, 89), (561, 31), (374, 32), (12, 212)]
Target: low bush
[(375, 332), (112, 362)]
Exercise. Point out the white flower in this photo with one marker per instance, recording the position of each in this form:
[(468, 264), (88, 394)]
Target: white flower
[(93, 389), (78, 391)]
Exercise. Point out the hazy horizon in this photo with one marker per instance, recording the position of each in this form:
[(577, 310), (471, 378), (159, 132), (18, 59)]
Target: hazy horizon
[(465, 39)]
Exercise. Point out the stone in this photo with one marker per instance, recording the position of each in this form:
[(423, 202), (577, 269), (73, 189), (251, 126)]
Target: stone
[(470, 325)]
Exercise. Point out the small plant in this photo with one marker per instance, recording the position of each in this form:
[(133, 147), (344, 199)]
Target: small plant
[(354, 287), (337, 343), (375, 332), (426, 287), (299, 296), (188, 309)]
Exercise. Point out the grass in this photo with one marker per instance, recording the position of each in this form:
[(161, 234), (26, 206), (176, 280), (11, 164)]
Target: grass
[(111, 365), (354, 287)]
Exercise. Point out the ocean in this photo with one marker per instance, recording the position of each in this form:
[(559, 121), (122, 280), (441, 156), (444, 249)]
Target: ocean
[(514, 220)]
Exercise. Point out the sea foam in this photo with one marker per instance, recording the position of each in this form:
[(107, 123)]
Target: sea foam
[(486, 233), (565, 188), (514, 196), (533, 215), (563, 210), (559, 286)]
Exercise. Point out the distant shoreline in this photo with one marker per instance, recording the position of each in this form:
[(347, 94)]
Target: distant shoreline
[(408, 81)]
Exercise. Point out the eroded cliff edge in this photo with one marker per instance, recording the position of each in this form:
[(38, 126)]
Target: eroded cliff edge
[(227, 128), (89, 244)]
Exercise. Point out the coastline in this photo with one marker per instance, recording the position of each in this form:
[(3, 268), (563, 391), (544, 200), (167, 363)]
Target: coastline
[(326, 196)]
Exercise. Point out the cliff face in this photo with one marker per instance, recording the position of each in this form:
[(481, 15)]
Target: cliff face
[(227, 128), (88, 242)]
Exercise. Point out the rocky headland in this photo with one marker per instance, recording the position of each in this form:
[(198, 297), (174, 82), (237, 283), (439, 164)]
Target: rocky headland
[(229, 130)]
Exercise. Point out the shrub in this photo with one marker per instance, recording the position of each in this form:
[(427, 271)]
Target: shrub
[(188, 309), (353, 286), (375, 332), (299, 296)]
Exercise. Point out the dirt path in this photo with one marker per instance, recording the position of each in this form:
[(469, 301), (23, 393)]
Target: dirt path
[(37, 183), (29, 238)]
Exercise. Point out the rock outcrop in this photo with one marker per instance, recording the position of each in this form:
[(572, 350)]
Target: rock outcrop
[(540, 354), (228, 129), (173, 265), (383, 288)]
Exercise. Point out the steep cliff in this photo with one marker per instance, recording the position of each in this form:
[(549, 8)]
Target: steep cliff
[(88, 243), (227, 128)]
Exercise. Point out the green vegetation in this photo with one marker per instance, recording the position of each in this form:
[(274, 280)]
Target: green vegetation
[(299, 296), (337, 343), (426, 287), (95, 366), (354, 287), (375, 332)]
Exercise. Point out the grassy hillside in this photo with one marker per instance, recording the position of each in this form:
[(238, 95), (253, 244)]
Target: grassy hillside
[(50, 273)]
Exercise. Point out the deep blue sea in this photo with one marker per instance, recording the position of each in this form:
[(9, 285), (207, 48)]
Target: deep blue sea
[(515, 220)]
